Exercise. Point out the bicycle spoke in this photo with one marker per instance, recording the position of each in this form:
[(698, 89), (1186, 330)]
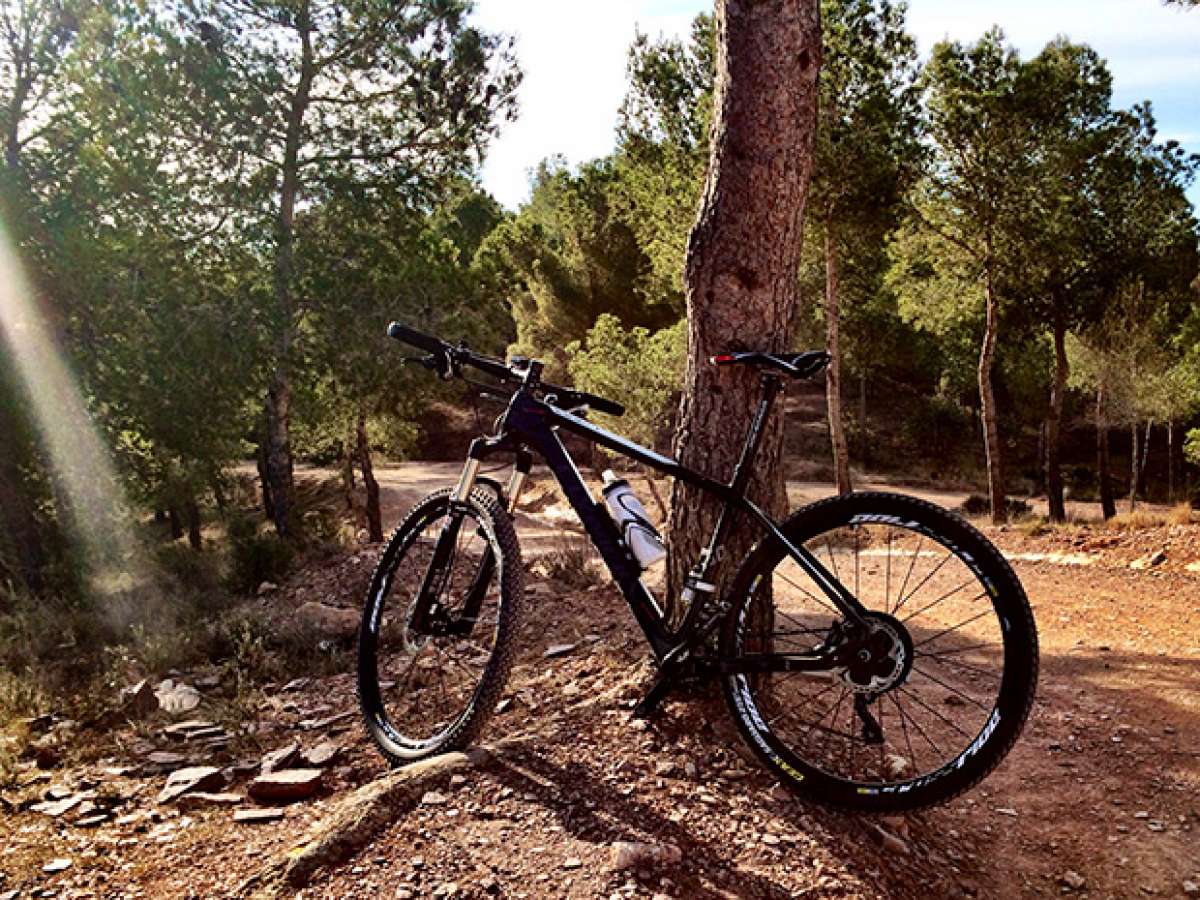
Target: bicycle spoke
[(951, 688), (940, 634), (929, 708), (912, 563), (944, 597), (924, 581)]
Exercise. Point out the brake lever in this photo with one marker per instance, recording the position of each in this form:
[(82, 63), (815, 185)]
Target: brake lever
[(427, 362)]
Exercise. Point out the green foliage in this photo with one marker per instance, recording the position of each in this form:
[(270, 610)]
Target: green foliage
[(568, 258), (641, 369), (1191, 447)]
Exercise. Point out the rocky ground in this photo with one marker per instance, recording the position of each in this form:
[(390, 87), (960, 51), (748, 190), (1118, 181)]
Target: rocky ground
[(206, 780)]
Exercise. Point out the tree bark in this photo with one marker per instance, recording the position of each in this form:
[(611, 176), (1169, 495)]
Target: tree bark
[(348, 451), (987, 403), (260, 458), (191, 512), (175, 523), (1170, 461), (374, 516), (1143, 489), (833, 377), (1108, 503), (279, 395), (743, 256), (1058, 390), (1133, 465)]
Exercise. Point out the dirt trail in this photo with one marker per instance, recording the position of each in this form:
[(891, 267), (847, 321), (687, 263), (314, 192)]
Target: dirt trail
[(1100, 798)]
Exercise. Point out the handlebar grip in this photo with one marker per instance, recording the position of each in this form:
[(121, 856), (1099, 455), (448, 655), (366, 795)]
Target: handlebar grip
[(414, 338)]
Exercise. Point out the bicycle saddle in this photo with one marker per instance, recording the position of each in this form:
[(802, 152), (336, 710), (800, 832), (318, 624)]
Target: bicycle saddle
[(797, 365)]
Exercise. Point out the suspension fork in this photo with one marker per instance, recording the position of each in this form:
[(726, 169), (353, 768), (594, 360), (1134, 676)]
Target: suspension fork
[(437, 573)]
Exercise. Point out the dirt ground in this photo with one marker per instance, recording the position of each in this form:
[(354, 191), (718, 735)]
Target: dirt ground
[(1100, 798)]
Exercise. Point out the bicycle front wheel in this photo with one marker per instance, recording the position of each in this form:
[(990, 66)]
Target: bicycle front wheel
[(946, 685), (432, 662)]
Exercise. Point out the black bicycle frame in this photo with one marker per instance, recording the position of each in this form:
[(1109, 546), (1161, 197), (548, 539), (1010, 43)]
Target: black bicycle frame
[(533, 424)]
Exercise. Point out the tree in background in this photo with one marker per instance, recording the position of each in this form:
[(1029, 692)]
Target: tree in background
[(744, 253), (369, 261), (867, 154), (324, 94), (971, 198), (567, 258), (663, 150)]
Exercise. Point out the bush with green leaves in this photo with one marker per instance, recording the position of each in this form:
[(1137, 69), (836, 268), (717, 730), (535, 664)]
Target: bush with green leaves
[(640, 369)]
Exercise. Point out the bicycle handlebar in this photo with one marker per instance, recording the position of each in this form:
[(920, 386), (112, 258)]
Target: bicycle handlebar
[(564, 397)]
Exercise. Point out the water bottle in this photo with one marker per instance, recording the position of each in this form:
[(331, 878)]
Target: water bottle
[(640, 535)]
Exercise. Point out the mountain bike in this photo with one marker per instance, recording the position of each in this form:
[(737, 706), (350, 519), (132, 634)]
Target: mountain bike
[(876, 652)]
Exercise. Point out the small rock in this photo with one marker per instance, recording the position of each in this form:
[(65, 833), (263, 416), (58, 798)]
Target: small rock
[(634, 855), (189, 728), (321, 755), (287, 785), (555, 650), (54, 808), (1072, 879), (504, 705), (1157, 558), (195, 778), (296, 684), (257, 816), (165, 759), (326, 723), (281, 758), (1191, 889), (331, 621), (139, 700), (202, 799), (93, 821), (572, 862), (267, 587), (433, 798), (56, 865), (177, 698), (890, 843), (1006, 811)]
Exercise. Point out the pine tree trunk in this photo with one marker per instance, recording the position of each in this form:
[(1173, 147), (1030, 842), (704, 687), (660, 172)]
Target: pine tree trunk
[(1133, 465), (1143, 489), (833, 378), (1108, 503), (348, 452), (743, 257), (374, 516), (1170, 461), (264, 481), (191, 512), (279, 396), (987, 403), (174, 521), (1058, 390)]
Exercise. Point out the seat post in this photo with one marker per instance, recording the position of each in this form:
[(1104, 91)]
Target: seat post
[(771, 387)]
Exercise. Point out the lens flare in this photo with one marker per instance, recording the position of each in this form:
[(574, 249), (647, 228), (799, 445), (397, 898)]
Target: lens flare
[(90, 501)]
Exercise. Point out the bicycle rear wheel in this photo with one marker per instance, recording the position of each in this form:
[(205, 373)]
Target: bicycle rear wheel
[(944, 690), (430, 670)]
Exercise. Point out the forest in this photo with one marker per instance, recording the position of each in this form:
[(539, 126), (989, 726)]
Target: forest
[(211, 211)]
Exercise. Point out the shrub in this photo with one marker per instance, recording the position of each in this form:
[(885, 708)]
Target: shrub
[(570, 564), (637, 368), (979, 505), (255, 557)]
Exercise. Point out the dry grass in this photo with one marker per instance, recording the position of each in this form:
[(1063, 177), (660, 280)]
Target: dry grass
[(1136, 520), (1182, 514)]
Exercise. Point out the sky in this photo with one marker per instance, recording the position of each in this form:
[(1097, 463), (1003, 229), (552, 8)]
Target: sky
[(573, 54)]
